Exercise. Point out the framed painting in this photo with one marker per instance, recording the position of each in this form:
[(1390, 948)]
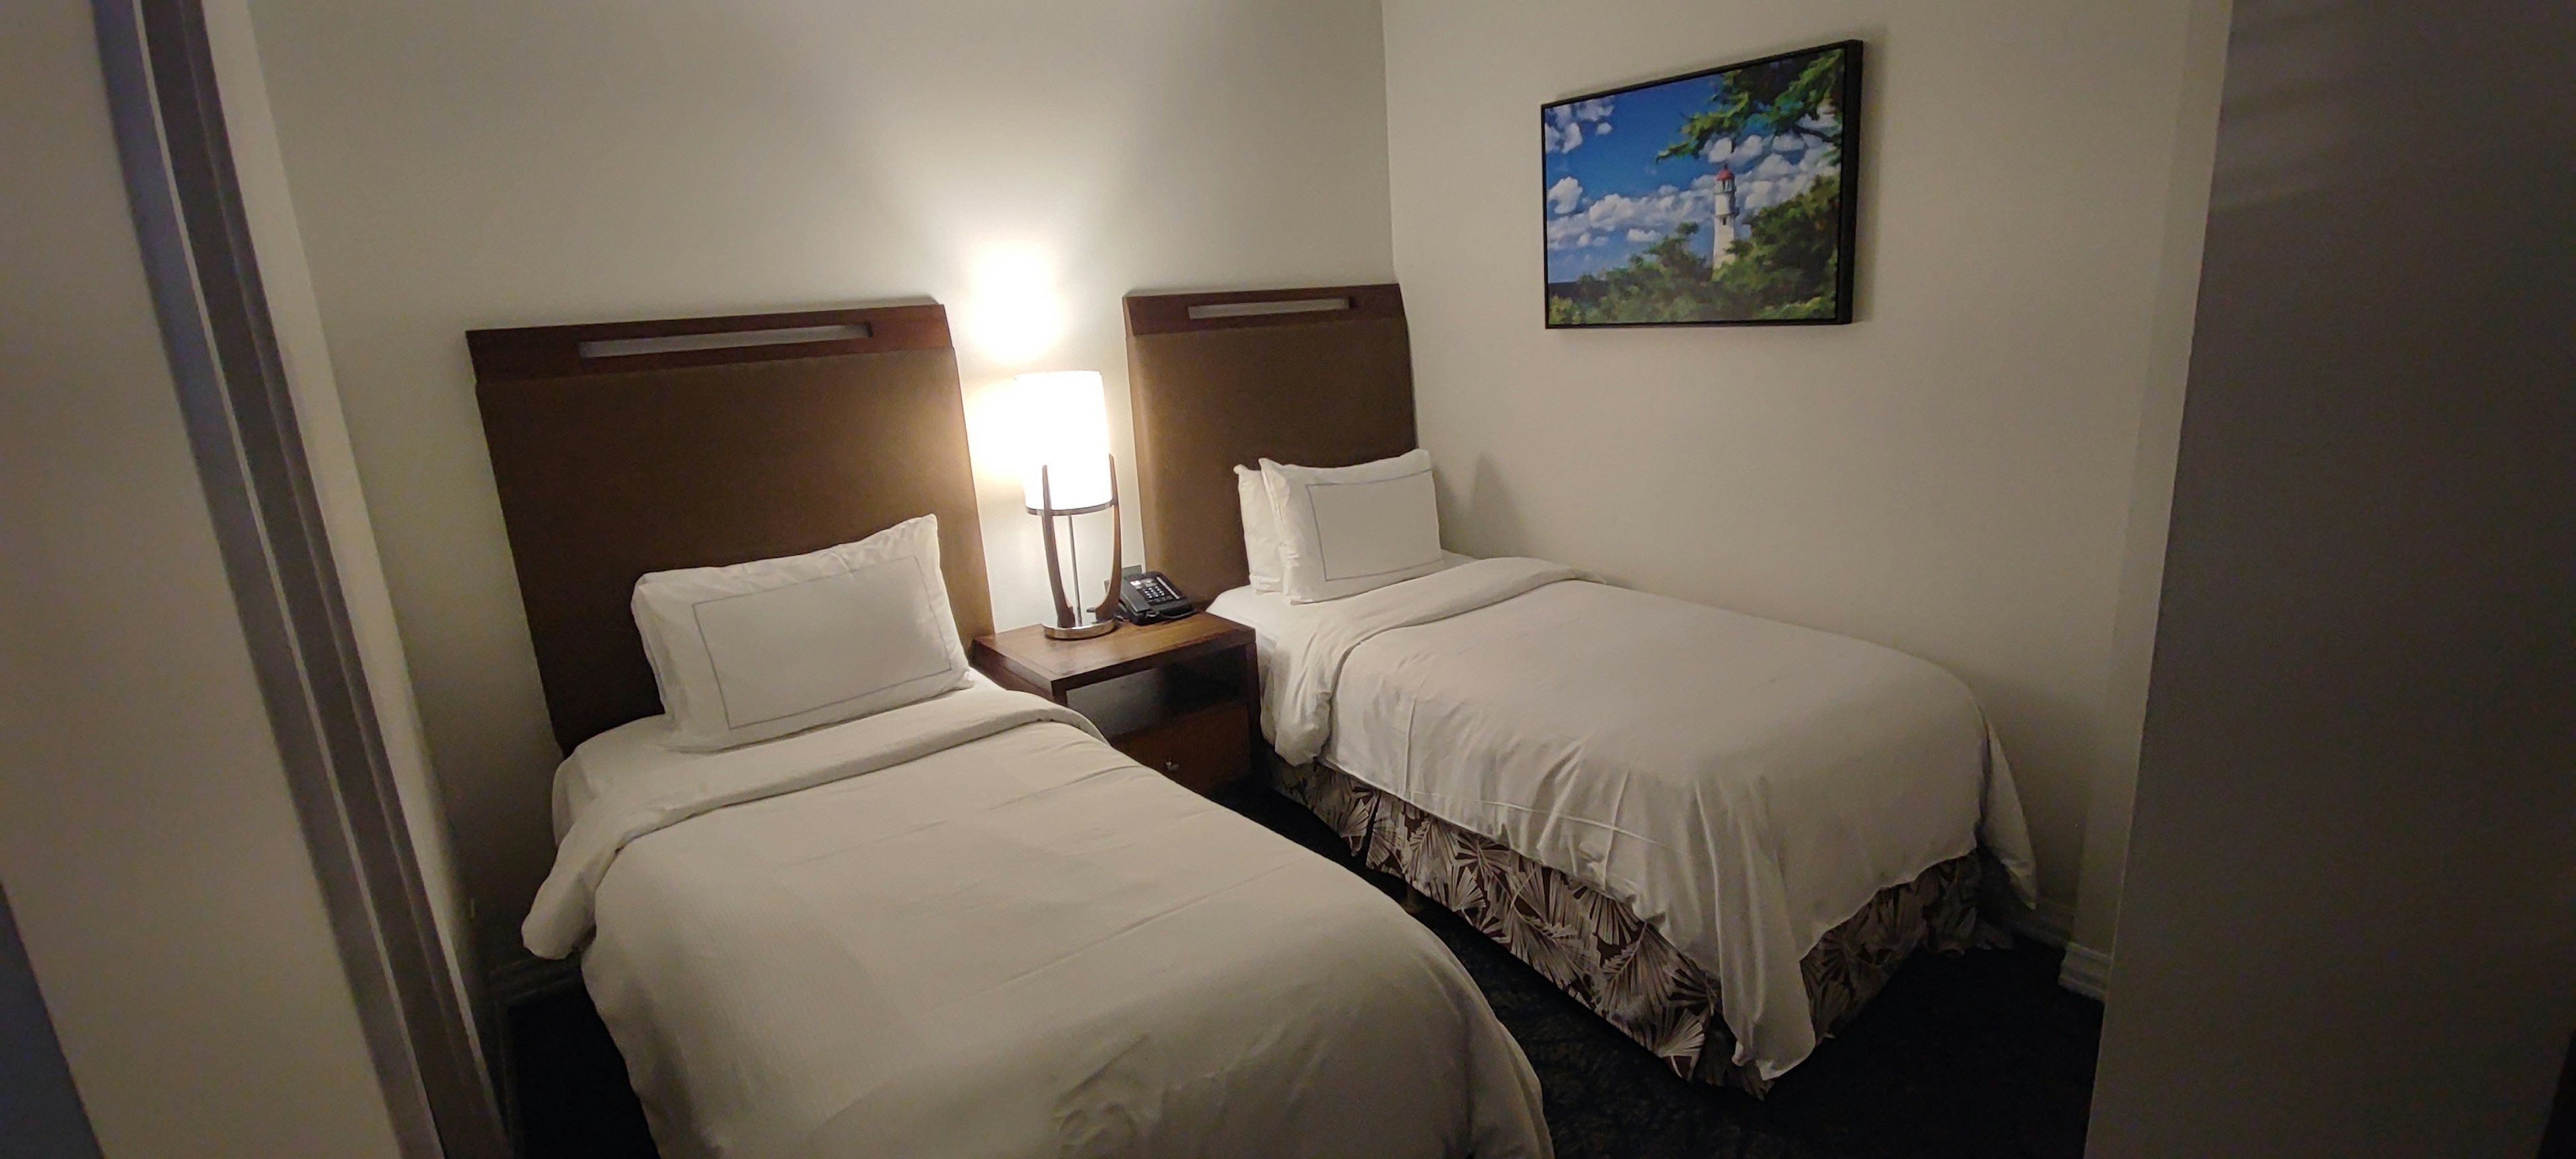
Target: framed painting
[(1717, 198)]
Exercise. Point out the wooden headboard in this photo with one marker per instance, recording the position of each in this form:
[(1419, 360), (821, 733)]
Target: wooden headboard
[(1318, 376), (631, 447)]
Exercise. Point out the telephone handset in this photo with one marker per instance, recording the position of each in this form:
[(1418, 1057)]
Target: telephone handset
[(1146, 597)]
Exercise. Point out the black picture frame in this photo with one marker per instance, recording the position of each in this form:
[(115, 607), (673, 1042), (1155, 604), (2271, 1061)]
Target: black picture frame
[(1847, 144)]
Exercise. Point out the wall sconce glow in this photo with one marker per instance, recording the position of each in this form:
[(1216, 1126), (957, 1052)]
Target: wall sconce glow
[(1014, 314), (1062, 421)]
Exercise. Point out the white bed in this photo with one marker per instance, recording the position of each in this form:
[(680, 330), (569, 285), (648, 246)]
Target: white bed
[(1743, 785), (968, 928)]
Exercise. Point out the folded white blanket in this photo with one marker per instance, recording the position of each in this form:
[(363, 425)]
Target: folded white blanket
[(1743, 785), (1298, 715), (656, 797)]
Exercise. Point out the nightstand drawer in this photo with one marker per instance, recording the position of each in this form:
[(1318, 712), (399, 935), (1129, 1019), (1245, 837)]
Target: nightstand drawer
[(1203, 750)]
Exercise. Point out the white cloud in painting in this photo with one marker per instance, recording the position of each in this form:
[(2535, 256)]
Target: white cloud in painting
[(1563, 196), (1617, 215), (1778, 178), (1601, 130), (1796, 143), (1752, 147), (1562, 129), (1563, 134), (1642, 236), (1565, 233), (1774, 165)]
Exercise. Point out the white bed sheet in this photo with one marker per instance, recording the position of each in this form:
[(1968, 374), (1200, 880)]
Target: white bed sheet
[(1021, 944), (1743, 785), (633, 752)]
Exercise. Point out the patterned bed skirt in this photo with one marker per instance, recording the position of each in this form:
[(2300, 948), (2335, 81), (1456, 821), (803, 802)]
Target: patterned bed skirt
[(1597, 950)]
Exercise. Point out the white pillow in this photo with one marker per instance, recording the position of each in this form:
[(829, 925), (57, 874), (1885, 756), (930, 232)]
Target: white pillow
[(1347, 530), (1260, 528), (759, 650)]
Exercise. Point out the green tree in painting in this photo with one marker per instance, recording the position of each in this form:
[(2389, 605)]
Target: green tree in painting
[(1665, 282), (1786, 270), (1767, 98), (1788, 267)]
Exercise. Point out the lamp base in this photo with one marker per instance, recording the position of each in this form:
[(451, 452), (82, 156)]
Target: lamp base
[(1081, 631)]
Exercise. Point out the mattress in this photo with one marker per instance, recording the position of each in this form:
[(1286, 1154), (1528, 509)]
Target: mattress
[(1742, 785), (968, 927)]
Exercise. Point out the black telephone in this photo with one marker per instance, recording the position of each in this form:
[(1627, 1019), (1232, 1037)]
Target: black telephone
[(1145, 597)]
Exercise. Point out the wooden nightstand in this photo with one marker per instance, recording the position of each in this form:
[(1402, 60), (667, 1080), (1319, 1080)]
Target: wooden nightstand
[(1182, 697)]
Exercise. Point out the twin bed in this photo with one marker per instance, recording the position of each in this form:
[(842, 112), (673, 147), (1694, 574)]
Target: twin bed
[(965, 926), (1721, 833)]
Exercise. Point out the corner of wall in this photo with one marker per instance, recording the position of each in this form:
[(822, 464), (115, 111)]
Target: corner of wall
[(2133, 632), (2083, 969)]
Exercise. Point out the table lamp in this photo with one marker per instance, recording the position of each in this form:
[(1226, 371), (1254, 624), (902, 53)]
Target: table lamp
[(1069, 472)]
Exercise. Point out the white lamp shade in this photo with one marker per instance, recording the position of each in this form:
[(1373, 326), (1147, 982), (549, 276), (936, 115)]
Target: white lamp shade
[(1064, 424)]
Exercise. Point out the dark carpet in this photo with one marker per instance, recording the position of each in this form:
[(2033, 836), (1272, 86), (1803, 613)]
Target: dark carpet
[(1976, 1055)]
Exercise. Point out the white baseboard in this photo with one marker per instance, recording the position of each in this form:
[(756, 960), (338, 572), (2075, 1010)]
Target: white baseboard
[(2086, 971), (2051, 923)]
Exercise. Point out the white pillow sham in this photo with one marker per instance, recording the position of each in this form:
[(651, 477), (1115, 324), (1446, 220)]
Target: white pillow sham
[(1347, 530), (759, 650), (1260, 528)]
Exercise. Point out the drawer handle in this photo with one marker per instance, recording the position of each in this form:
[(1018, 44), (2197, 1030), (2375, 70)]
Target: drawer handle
[(1171, 766)]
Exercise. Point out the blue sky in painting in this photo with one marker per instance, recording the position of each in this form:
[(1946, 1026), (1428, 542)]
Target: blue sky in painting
[(1607, 197)]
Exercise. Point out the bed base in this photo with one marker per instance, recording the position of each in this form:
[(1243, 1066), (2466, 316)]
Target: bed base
[(1599, 952)]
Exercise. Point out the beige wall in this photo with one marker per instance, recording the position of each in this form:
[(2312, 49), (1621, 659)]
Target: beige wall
[(1953, 475), (2349, 925), (490, 164), (146, 836)]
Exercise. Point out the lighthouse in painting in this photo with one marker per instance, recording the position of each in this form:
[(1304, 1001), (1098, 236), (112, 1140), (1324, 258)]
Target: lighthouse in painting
[(1721, 244)]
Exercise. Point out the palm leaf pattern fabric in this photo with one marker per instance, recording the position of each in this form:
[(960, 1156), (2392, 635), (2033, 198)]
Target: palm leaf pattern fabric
[(1616, 964)]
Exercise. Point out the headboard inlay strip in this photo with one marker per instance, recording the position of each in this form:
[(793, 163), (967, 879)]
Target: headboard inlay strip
[(1250, 309), (556, 351), (731, 340)]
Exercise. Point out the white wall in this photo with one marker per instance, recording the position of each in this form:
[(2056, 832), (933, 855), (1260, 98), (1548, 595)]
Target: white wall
[(148, 843), (2350, 918), (492, 164), (1954, 474)]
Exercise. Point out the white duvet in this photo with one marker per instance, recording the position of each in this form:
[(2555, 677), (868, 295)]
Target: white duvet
[(1743, 785), (968, 928)]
